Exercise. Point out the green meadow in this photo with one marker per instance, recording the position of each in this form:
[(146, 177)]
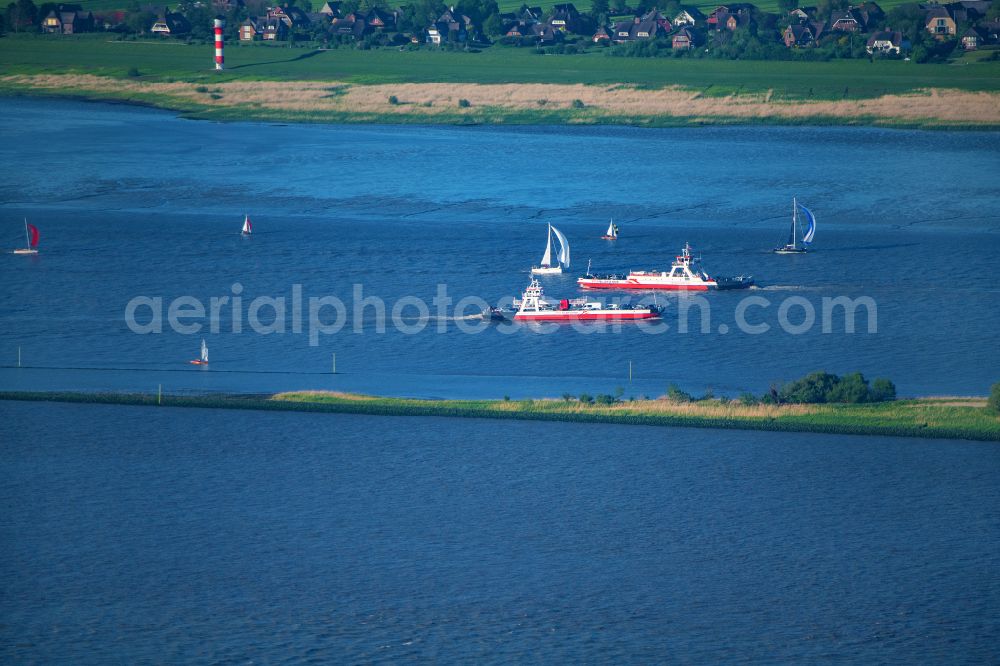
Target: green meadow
[(159, 60), (958, 418)]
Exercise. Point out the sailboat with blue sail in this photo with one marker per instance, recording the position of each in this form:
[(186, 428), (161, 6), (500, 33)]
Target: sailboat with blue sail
[(550, 265), (794, 246)]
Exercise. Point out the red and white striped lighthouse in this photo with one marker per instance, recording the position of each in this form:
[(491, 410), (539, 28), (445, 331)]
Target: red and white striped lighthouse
[(218, 42)]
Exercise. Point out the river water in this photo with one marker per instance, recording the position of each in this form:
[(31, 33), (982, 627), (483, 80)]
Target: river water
[(139, 203), (144, 535)]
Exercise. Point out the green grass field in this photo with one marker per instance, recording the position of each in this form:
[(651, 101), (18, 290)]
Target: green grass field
[(99, 6), (160, 60), (927, 418)]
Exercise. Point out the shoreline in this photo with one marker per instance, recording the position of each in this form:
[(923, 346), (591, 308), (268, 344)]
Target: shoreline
[(927, 418), (312, 102)]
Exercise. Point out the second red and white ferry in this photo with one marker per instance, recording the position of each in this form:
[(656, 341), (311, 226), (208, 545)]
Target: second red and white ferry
[(533, 306), (685, 273)]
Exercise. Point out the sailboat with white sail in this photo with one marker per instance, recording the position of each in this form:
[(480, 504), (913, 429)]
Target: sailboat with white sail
[(612, 232), (203, 358), (31, 235), (548, 266), (247, 226), (793, 246)]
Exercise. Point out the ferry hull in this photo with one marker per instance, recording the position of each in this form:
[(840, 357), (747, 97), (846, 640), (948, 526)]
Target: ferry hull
[(562, 315), (601, 284)]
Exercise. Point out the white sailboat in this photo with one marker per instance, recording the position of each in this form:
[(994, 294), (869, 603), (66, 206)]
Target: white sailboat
[(548, 266), (793, 246), (31, 236), (247, 226), (612, 232), (203, 359)]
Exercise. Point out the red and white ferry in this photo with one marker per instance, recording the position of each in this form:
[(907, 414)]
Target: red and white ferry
[(533, 306), (685, 273)]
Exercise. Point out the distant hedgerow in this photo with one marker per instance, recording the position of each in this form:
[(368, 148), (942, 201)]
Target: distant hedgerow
[(820, 387)]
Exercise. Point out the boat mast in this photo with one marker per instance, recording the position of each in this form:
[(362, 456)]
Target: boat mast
[(795, 234), (27, 238)]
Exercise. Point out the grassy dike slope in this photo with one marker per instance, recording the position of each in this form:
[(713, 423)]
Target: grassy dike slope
[(502, 85), (958, 418)]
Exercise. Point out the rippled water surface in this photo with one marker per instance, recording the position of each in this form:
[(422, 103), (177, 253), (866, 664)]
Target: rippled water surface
[(137, 202), (137, 535)]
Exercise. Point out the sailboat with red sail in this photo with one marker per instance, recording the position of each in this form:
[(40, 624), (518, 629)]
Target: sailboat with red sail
[(31, 235)]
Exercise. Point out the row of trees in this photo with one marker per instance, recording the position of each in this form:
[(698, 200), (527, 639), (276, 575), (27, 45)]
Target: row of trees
[(815, 388), (22, 16)]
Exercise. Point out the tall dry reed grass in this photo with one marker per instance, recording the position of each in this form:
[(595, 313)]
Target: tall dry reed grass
[(430, 99)]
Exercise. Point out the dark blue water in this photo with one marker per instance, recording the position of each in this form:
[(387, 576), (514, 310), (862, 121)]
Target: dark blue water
[(160, 535), (135, 202)]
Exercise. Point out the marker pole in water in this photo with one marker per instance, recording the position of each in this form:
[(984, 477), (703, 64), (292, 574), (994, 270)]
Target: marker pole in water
[(630, 372), (333, 364), (19, 356), (159, 394), (218, 43)]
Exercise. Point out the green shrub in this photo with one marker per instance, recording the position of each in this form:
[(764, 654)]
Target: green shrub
[(709, 395), (724, 400), (134, 72), (851, 389), (748, 399), (993, 404), (464, 103), (200, 89), (567, 397), (606, 399), (578, 104), (675, 394), (586, 398), (215, 96), (393, 100), (506, 398), (882, 390), (812, 388)]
